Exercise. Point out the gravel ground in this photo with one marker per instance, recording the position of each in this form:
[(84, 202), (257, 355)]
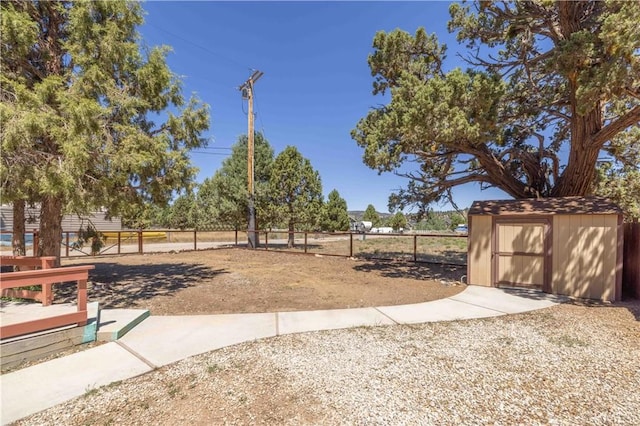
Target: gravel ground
[(566, 365)]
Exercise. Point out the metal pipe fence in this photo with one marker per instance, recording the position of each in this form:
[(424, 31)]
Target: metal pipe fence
[(443, 248), (448, 249)]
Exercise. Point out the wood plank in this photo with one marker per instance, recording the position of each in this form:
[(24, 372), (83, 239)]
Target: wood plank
[(480, 251), (610, 241), (29, 349), (12, 330), (558, 265), (43, 262), (43, 276), (597, 235)]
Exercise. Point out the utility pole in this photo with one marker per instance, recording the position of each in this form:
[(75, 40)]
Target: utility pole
[(247, 93)]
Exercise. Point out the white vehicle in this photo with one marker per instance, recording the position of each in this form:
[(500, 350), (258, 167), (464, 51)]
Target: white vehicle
[(364, 226)]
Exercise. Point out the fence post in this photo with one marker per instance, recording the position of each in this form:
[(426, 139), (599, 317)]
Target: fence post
[(350, 244), (266, 240), (236, 236), (631, 260), (415, 248), (119, 238), (66, 250), (140, 241), (305, 241), (195, 240), (36, 243)]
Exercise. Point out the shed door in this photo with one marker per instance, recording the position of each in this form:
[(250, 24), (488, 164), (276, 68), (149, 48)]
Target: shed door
[(520, 254)]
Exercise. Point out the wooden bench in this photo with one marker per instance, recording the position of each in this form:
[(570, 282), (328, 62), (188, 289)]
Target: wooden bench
[(44, 262), (51, 276)]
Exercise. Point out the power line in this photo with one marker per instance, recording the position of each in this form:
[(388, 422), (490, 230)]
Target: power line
[(210, 153), (217, 147), (195, 44)]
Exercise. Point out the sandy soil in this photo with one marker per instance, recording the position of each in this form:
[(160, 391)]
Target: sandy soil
[(239, 280)]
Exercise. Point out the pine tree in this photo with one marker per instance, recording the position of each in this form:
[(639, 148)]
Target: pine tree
[(335, 216), (295, 191), (398, 221), (371, 215), (223, 198)]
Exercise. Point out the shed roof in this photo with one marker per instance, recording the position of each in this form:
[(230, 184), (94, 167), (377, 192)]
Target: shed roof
[(549, 206)]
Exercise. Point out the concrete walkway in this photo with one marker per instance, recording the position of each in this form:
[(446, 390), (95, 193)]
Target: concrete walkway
[(161, 340)]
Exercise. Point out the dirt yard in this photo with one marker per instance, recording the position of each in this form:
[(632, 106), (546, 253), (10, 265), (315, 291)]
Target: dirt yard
[(238, 280)]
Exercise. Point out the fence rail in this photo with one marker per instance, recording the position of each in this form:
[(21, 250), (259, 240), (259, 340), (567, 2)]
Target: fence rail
[(432, 247), (448, 249)]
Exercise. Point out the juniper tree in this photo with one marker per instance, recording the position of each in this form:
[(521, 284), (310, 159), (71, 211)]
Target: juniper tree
[(544, 77), (91, 116)]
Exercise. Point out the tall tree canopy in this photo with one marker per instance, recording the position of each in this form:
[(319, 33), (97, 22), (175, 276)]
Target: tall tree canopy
[(183, 213), (398, 221), (91, 117), (371, 215), (335, 216), (295, 191), (224, 197), (551, 86)]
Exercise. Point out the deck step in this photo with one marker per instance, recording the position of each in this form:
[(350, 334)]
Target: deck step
[(115, 323), (17, 350)]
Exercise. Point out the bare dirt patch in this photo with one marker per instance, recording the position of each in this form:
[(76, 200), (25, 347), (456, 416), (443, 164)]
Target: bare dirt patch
[(238, 280)]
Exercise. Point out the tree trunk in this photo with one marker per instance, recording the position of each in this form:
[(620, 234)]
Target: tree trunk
[(579, 175), (51, 227), (291, 241), (17, 239)]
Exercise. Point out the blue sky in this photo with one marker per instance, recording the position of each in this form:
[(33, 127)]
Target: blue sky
[(316, 83)]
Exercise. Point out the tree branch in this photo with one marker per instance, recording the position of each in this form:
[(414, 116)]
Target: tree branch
[(444, 183), (610, 130)]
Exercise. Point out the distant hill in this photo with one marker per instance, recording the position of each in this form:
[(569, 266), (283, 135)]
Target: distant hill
[(357, 214)]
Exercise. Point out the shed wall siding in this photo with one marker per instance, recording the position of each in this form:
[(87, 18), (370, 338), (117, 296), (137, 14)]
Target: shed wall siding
[(480, 250), (584, 256)]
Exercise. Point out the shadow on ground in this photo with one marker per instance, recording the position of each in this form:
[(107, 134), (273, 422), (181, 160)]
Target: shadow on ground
[(535, 294), (298, 247), (418, 271), (632, 305), (444, 257), (121, 286)]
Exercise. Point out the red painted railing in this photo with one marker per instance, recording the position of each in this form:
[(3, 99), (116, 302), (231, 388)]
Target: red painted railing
[(80, 274)]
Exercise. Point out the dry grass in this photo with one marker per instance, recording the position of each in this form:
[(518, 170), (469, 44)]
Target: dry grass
[(445, 249)]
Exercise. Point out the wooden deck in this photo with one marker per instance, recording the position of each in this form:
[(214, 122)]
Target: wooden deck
[(50, 318), (17, 350), (45, 295)]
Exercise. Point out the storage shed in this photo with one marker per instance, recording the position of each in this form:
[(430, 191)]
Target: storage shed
[(567, 246)]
